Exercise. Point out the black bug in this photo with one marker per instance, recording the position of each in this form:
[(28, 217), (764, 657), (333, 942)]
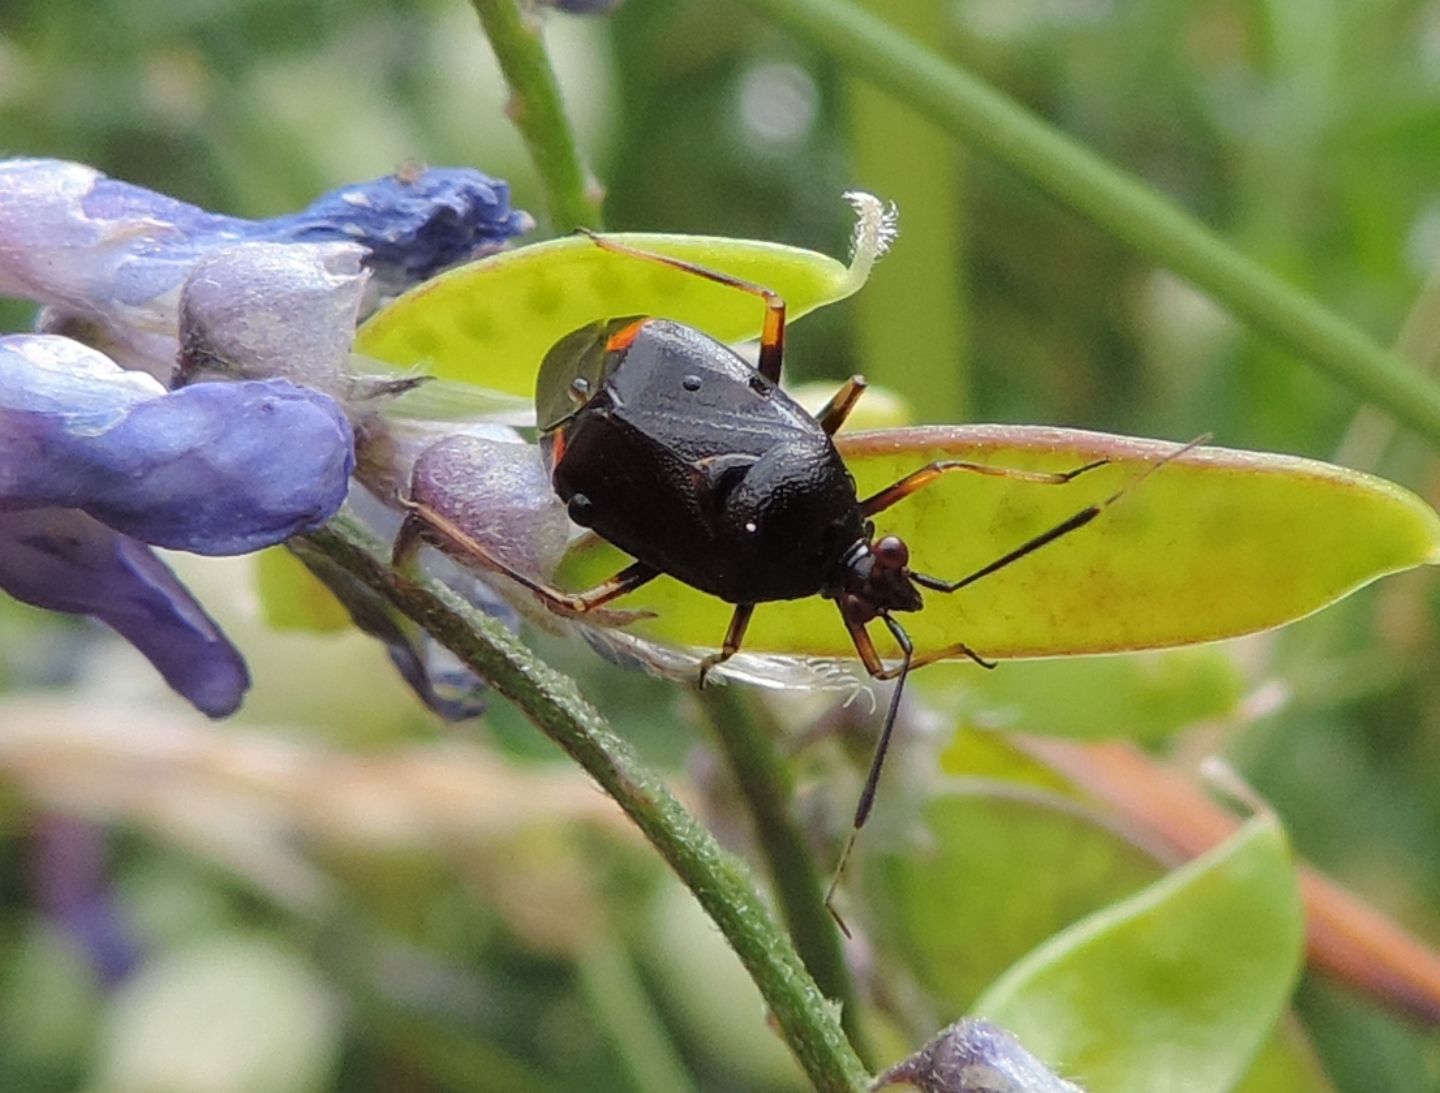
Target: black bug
[(673, 448)]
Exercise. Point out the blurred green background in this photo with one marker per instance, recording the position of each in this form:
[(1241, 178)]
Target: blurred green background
[(335, 892)]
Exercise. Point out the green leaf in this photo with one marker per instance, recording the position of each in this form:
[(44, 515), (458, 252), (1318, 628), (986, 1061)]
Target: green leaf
[(999, 869), (1142, 696), (1287, 1063), (1176, 988), (1001, 866), (293, 598), (492, 321), (1214, 544)]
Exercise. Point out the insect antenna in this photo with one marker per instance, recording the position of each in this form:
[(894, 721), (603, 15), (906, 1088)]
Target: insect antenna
[(877, 764), (1065, 527), (909, 660)]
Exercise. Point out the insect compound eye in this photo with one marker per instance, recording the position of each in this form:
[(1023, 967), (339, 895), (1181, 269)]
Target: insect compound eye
[(892, 553)]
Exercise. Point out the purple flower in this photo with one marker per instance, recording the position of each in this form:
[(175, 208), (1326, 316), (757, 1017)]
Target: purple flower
[(974, 1056), (99, 460), (584, 7), (68, 864), (108, 258), (63, 560), (194, 469), (413, 224)]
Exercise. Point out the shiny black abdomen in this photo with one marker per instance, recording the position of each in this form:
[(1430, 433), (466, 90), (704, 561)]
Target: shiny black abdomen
[(693, 462)]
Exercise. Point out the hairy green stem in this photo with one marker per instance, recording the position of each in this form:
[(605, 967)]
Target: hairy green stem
[(1118, 203), (539, 113), (720, 882), (747, 738)]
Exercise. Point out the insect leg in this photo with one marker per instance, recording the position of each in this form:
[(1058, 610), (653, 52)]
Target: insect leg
[(871, 659), (918, 480), (840, 405), (866, 648), (1065, 527), (959, 649), (772, 337), (733, 637), (424, 524), (627, 580)]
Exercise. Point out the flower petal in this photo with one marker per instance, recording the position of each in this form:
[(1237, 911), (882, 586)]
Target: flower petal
[(499, 495), (110, 256), (64, 560), (71, 236), (413, 223), (267, 310), (217, 468)]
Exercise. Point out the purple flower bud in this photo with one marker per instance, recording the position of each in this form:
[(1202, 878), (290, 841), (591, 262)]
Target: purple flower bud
[(63, 560), (974, 1056), (438, 679), (96, 461), (265, 310), (67, 859), (214, 468), (499, 495), (584, 7), (413, 223), (111, 256)]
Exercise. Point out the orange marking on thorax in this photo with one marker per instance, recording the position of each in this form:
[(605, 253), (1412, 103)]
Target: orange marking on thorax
[(557, 447), (624, 337)]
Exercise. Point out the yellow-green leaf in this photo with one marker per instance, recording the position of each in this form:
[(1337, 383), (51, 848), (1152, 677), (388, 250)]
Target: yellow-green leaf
[(1175, 988), (1142, 696), (1004, 860), (1215, 544), (293, 598), (491, 322), (995, 870)]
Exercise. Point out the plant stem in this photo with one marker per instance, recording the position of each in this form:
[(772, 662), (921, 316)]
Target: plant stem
[(538, 112), (719, 881), (1115, 201), (748, 741)]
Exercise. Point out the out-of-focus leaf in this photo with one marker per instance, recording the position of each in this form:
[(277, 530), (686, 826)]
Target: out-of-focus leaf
[(230, 1015), (1215, 544), (1003, 866), (292, 598), (881, 408), (710, 995), (980, 753), (994, 872), (1141, 697), (49, 999), (1175, 988), (491, 322), (1286, 1064)]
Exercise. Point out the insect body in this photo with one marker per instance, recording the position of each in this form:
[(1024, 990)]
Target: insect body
[(675, 449), (687, 458)]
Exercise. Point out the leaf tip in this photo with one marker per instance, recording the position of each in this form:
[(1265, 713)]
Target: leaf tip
[(876, 227)]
